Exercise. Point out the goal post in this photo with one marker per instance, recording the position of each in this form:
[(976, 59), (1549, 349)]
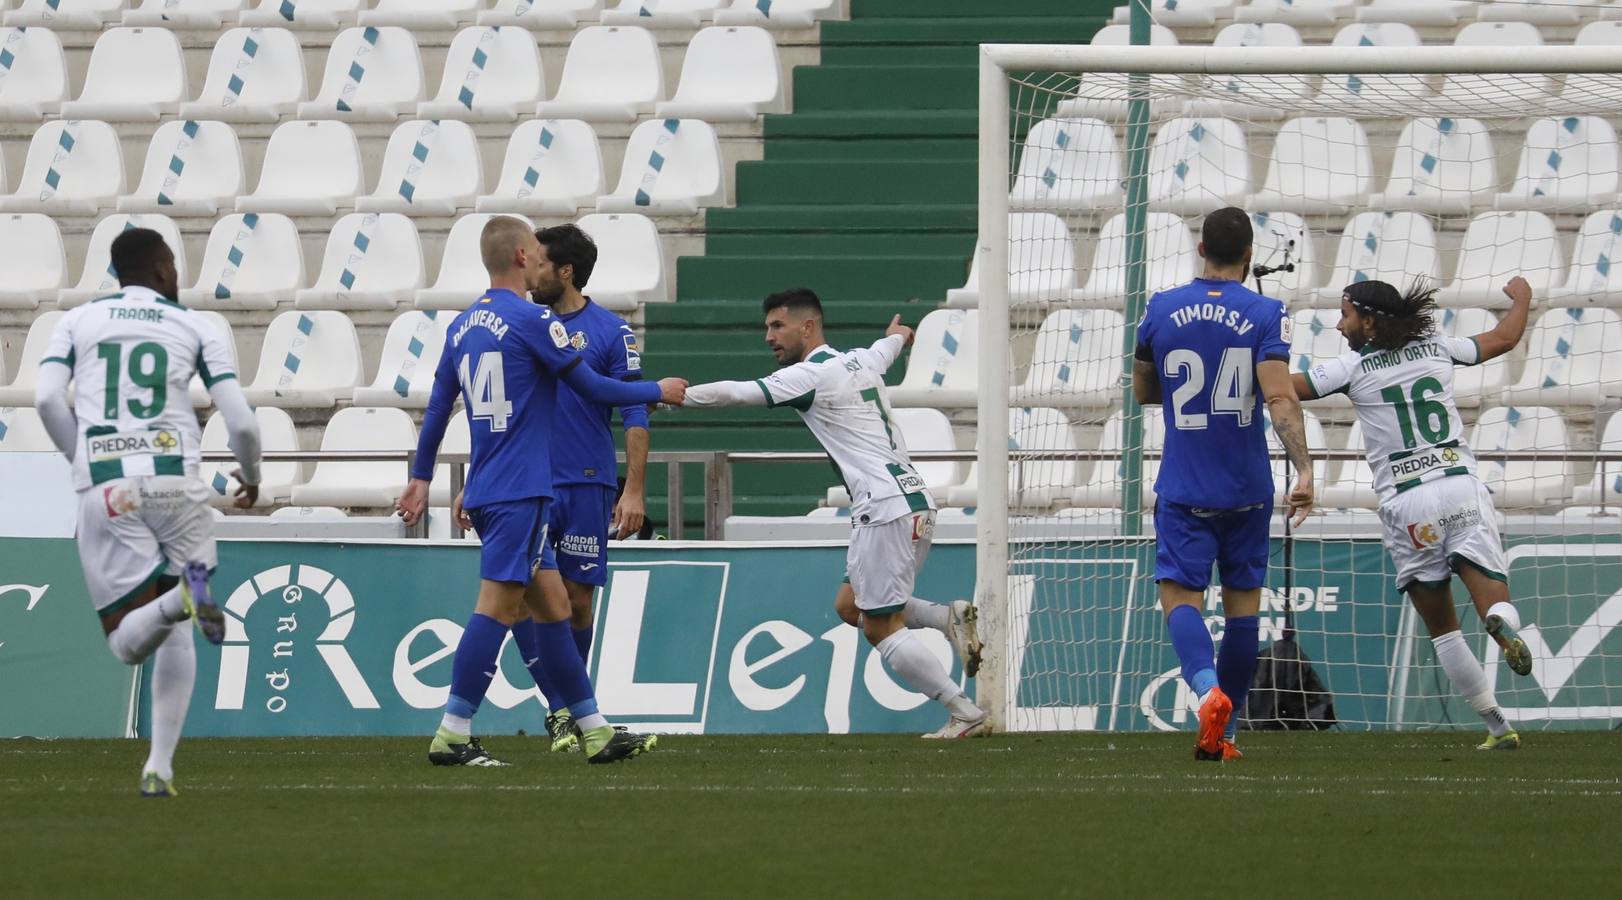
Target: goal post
[(1090, 196)]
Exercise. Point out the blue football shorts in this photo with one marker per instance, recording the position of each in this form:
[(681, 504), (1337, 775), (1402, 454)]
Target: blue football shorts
[(1189, 541), (514, 534), (580, 518)]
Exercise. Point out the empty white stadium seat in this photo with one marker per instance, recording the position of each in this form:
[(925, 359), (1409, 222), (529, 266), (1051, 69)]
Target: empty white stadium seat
[(672, 167), (197, 389), (1494, 94), (552, 167), (1567, 350), (1441, 166), (1523, 484), (192, 169), (1595, 278), (135, 74), (1606, 486), (730, 74), (308, 359), (1077, 361), (35, 81), (32, 257), (1565, 13), (1319, 165), (1252, 97), (99, 279), (1394, 247), (373, 260), (612, 74), (1479, 384), (1102, 489), (1585, 91), (1172, 259), (630, 263), (310, 169), (429, 168), (1068, 164), (254, 75), (1197, 166), (1351, 481), (1041, 263), (462, 278), (660, 13), (1296, 12), (20, 392), (1417, 12), (1281, 235), (422, 15), (66, 14), (1032, 484), (943, 370), (1567, 163), (411, 349), (251, 261), (922, 431), (1391, 95), (372, 74), (21, 431), (318, 15), (492, 74), (1497, 246), (184, 13), (364, 484), (1181, 13), (548, 14), (1103, 95), (72, 167), (778, 13), (276, 479)]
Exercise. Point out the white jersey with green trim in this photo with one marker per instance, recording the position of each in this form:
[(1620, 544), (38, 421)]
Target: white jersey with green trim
[(133, 355), (843, 400), (1412, 432)]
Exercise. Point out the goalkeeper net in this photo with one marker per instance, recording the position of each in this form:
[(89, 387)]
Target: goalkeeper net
[(1461, 167)]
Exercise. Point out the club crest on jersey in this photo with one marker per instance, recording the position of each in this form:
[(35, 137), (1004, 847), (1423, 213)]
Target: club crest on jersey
[(1423, 535), (578, 340)]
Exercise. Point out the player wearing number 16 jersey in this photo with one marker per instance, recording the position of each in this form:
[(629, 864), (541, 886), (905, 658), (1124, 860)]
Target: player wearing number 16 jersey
[(1438, 517), (1203, 349)]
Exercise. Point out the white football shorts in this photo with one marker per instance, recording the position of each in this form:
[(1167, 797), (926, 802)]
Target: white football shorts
[(1431, 529), (133, 530), (884, 560)]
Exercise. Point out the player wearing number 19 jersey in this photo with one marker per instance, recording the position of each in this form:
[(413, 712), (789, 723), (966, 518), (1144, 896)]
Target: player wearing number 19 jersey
[(1202, 350), (1438, 517)]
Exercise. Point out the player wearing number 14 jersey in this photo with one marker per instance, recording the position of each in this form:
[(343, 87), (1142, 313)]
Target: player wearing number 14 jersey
[(1438, 517)]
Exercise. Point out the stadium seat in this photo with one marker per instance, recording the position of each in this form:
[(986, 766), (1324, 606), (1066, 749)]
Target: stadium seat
[(421, 15), (1565, 13), (491, 75), (1568, 163), (276, 479), (192, 169), (1497, 246), (251, 261), (1252, 97), (1102, 489), (1315, 340), (778, 13), (611, 74), (1300, 13), (1606, 487), (33, 259), (1594, 280), (405, 374), (430, 168), (923, 431), (310, 169), (373, 261), (1172, 259), (552, 167), (65, 15), (1068, 164), (660, 13), (630, 262), (1496, 94), (308, 359), (1442, 167), (730, 74), (135, 75), (1041, 264), (1352, 483), (1077, 361), (560, 14), (254, 75), (201, 14), (1479, 384), (1033, 485), (1180, 13), (1278, 234), (1417, 12), (99, 279), (1586, 91), (362, 484), (72, 168), (35, 82), (458, 439), (1102, 95), (21, 431), (672, 167), (1197, 166), (199, 391), (1384, 95), (1567, 350), (1394, 247), (372, 74), (1319, 165), (315, 15), (20, 392), (1523, 484), (462, 278), (943, 370)]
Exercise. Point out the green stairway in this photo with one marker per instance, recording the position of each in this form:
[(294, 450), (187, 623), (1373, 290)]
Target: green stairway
[(866, 195)]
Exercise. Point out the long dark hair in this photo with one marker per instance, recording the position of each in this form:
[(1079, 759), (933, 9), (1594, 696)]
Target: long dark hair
[(1395, 325)]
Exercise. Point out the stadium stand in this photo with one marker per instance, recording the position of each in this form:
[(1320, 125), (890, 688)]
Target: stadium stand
[(309, 169), (135, 74), (192, 169), (254, 75), (99, 279), (276, 432), (372, 75), (630, 265), (31, 253), (612, 74), (729, 74), (88, 14), (1593, 279), (1041, 264), (421, 14), (1033, 485), (660, 13), (1278, 234), (941, 371), (1068, 164), (1567, 163), (36, 82), (72, 168), (491, 74), (20, 392), (373, 261), (672, 167), (1171, 251), (308, 360), (1442, 166), (1198, 165), (1523, 484), (21, 431), (251, 261), (1320, 165), (1498, 246), (1395, 247), (199, 14), (529, 14), (411, 350), (363, 484), (431, 167), (551, 167), (317, 15), (1076, 361), (461, 272)]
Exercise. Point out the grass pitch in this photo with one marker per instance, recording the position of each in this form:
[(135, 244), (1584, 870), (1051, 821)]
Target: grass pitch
[(1353, 815)]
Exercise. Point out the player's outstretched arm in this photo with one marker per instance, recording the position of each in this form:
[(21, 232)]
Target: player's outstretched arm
[(1512, 327), (242, 430), (608, 392), (1291, 426), (725, 393)]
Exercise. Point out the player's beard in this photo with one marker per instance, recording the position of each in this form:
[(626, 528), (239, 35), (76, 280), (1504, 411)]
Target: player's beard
[(543, 295)]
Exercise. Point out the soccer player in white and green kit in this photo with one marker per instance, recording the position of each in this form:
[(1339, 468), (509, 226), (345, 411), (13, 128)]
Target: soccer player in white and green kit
[(1438, 516)]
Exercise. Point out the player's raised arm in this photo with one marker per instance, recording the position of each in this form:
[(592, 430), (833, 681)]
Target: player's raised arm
[(1512, 327)]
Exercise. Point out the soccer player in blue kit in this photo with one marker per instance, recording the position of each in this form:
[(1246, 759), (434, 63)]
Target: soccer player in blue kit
[(1203, 350), (504, 356)]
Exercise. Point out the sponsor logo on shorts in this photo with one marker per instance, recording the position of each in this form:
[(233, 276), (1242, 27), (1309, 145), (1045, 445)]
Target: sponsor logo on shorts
[(579, 545), (923, 525), (587, 567), (1423, 535), (120, 501), (1462, 520), (578, 340)]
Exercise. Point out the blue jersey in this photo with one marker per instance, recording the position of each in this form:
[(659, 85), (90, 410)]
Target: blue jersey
[(1205, 339), (583, 442), (504, 356)]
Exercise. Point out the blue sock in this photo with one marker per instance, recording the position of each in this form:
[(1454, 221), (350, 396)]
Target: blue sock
[(1192, 641), (561, 659), (475, 664), (1236, 663), (582, 642), (529, 647)]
